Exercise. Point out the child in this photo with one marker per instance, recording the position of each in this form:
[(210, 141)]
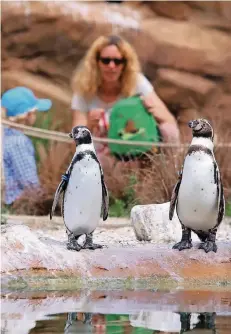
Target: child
[(19, 166)]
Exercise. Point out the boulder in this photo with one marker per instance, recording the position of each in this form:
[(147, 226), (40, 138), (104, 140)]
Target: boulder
[(50, 37), (182, 88), (182, 52), (40, 85), (175, 10), (151, 222), (212, 14), (186, 46)]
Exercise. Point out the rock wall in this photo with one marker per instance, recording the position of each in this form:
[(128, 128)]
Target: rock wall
[(184, 48)]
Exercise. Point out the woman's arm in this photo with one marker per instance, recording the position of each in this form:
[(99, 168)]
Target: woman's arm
[(166, 121), (157, 107)]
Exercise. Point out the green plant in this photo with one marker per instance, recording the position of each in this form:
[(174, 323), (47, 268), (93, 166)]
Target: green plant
[(117, 208), (228, 208), (121, 207), (5, 210)]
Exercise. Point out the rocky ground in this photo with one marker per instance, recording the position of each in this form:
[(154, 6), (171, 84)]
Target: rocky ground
[(34, 255), (114, 232)]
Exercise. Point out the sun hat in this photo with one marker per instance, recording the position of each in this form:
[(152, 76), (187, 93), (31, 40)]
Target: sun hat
[(19, 101)]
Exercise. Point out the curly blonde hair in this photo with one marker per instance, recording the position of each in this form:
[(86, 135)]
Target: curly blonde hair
[(87, 79)]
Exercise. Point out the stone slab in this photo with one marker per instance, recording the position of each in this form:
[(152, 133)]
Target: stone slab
[(30, 260)]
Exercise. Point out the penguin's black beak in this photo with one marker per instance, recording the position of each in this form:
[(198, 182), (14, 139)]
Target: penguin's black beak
[(70, 135), (193, 124)]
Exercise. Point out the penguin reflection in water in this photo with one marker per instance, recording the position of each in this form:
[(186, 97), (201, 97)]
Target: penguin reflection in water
[(198, 194), (85, 194)]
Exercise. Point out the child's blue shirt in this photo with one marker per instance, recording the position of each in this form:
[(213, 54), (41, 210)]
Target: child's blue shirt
[(20, 171)]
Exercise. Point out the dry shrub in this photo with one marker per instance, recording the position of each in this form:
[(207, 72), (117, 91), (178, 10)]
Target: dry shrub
[(53, 163), (34, 202), (154, 183), (222, 130), (117, 175)]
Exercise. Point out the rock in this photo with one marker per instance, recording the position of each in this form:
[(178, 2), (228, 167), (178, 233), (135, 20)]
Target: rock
[(151, 222), (40, 85), (211, 21), (206, 13), (35, 257), (217, 108), (182, 88), (51, 35), (188, 47), (175, 10), (48, 39)]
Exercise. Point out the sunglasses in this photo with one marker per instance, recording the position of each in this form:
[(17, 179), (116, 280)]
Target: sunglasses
[(116, 61)]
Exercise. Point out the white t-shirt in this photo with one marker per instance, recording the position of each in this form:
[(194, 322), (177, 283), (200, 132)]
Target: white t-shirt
[(78, 102), (143, 87)]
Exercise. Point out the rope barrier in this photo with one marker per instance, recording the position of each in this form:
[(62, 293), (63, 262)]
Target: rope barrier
[(63, 137)]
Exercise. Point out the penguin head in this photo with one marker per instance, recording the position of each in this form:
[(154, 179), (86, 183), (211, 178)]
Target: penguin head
[(81, 135), (201, 128)]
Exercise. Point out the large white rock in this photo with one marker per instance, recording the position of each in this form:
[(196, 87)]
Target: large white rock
[(151, 223)]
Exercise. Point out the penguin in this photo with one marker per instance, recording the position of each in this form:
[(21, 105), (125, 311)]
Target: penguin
[(196, 323), (198, 193), (85, 195), (78, 322)]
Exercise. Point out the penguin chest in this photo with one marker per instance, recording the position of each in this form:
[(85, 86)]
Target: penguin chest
[(197, 205), (83, 197)]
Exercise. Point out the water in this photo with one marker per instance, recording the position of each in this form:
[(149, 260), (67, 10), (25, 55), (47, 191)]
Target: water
[(127, 312)]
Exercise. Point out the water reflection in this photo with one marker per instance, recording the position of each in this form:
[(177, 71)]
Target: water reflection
[(140, 323), (76, 321), (115, 312), (174, 322)]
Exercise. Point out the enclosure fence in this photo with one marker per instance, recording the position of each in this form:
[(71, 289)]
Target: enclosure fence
[(63, 137)]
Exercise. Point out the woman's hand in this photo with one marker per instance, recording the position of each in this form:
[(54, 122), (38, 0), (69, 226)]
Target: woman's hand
[(94, 117)]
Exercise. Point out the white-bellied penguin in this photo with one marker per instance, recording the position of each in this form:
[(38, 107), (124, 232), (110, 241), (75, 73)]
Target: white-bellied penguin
[(85, 195), (198, 194)]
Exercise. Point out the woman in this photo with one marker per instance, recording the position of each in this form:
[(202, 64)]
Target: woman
[(111, 71)]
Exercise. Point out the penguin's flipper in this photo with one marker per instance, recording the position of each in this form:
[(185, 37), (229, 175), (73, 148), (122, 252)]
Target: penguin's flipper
[(174, 196), (105, 199), (61, 187), (105, 195), (221, 199)]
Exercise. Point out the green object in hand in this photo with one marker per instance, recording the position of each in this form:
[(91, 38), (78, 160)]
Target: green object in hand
[(130, 120)]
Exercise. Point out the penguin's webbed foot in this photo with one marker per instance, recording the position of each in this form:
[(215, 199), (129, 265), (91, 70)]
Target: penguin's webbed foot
[(73, 246), (91, 246), (89, 243), (208, 246), (183, 244), (186, 241), (72, 243)]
